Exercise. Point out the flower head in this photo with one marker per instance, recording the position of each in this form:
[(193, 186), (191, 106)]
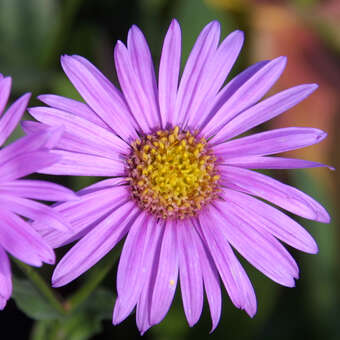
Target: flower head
[(26, 155), (182, 190)]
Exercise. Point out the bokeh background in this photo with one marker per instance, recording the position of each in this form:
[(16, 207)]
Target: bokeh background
[(33, 35)]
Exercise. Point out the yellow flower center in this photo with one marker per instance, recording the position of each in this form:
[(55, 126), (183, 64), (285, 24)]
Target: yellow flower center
[(172, 173)]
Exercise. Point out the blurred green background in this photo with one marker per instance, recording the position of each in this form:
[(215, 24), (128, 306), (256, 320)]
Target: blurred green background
[(33, 35)]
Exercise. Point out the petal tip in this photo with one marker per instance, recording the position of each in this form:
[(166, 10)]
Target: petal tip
[(55, 282), (313, 86), (239, 34), (279, 62), (26, 96), (174, 22), (321, 136)]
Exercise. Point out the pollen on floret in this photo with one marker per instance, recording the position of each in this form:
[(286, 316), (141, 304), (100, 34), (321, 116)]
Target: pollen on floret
[(172, 173)]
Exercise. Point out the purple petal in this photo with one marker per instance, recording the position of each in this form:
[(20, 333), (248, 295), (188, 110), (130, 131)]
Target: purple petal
[(150, 266), (133, 91), (20, 240), (25, 164), (261, 249), (249, 93), (94, 245), (217, 70), (34, 210), (77, 164), (116, 183), (272, 220), (142, 64), (84, 213), (233, 85), (32, 127), (75, 107), (190, 271), (264, 111), (285, 196), (234, 277), (165, 280), (270, 142), (169, 72), (100, 95), (211, 283), (87, 137), (43, 139), (131, 274), (12, 116), (5, 90), (203, 50), (5, 279), (40, 190), (260, 162)]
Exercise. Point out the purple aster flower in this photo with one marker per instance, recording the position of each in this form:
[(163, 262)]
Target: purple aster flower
[(26, 155), (182, 189)]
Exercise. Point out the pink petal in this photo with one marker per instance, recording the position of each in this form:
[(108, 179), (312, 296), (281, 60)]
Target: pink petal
[(20, 240), (100, 95), (232, 86), (41, 190), (77, 164), (249, 93), (272, 220), (5, 279), (94, 245), (169, 72), (75, 107), (270, 142), (190, 271), (142, 64), (211, 283), (87, 137), (25, 164), (10, 119), (131, 274), (264, 111), (234, 277), (41, 140), (84, 213), (285, 196), (165, 280), (261, 249), (34, 211), (216, 72), (150, 266), (133, 91), (263, 162), (5, 90), (196, 64)]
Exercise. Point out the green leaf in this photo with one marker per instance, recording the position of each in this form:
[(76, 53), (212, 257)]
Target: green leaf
[(100, 304), (82, 324), (79, 326), (31, 302)]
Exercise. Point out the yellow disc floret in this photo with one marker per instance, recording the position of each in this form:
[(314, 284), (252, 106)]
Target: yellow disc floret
[(172, 173)]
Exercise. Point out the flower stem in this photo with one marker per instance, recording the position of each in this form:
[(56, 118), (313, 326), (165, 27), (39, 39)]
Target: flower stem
[(41, 284), (95, 277)]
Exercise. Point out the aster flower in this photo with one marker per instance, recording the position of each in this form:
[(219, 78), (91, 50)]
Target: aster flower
[(182, 189), (24, 156)]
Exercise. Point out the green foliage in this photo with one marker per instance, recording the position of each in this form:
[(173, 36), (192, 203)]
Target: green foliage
[(30, 300), (79, 324), (82, 324)]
